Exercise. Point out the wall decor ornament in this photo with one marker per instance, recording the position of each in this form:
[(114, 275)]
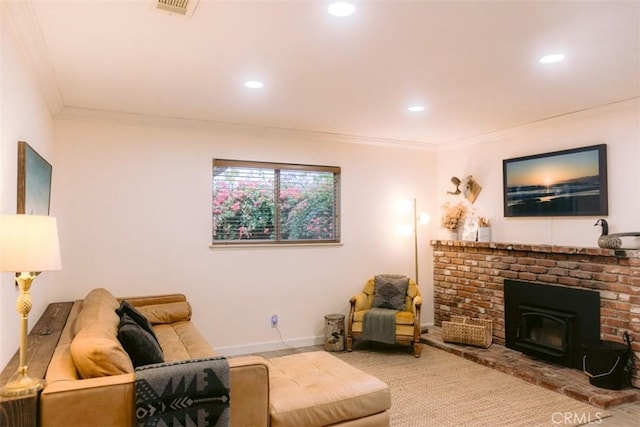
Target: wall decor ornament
[(34, 181), (561, 183), (455, 181), (471, 189)]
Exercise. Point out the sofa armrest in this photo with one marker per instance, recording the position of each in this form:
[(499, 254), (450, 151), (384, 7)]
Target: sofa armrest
[(249, 377), (360, 302), (154, 299), (417, 303), (107, 400), (111, 399)]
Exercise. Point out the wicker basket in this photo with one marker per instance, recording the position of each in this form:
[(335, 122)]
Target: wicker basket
[(464, 330)]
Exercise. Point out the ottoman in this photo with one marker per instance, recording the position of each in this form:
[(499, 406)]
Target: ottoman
[(318, 389)]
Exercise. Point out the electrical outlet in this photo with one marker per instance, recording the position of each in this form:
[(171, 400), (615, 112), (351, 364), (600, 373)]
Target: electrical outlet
[(274, 321)]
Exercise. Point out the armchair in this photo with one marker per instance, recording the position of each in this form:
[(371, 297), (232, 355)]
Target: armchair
[(407, 318)]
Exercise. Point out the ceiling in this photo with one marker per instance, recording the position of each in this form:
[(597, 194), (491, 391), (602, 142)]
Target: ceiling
[(473, 65)]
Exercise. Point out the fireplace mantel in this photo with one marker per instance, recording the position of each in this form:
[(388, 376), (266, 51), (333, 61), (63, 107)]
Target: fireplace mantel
[(468, 280), (620, 253)]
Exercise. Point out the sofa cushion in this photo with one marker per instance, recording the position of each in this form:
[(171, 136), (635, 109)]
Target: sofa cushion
[(136, 316), (97, 297), (97, 353), (390, 292), (95, 348), (141, 346), (182, 341), (402, 317)]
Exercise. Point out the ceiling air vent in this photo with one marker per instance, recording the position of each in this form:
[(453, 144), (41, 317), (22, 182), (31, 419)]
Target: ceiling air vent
[(182, 7)]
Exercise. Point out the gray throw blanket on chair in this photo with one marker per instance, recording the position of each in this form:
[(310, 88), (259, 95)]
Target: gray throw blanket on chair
[(379, 324), (187, 393)]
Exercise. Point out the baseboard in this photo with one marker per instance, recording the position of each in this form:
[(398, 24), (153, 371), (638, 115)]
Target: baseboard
[(284, 344), (269, 346), (424, 327)]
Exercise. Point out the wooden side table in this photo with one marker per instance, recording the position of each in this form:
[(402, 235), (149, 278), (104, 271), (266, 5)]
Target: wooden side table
[(22, 411)]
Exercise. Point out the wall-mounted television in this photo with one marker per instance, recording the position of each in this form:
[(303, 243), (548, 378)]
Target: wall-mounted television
[(560, 183)]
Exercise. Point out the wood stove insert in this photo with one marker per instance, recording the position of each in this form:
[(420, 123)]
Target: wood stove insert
[(551, 322)]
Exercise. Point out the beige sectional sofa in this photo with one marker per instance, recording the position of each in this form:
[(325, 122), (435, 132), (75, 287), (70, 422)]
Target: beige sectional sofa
[(90, 379)]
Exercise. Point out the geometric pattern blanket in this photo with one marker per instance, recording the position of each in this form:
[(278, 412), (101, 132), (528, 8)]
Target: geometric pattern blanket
[(188, 393)]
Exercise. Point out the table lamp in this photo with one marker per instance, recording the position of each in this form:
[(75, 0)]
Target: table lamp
[(28, 246)]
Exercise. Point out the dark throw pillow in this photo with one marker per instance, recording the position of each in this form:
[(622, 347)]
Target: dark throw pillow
[(142, 348), (390, 292), (139, 318)]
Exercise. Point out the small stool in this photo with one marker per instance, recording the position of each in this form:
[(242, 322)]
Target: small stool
[(334, 332)]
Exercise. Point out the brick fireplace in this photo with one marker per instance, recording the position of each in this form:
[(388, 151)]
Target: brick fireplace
[(469, 280)]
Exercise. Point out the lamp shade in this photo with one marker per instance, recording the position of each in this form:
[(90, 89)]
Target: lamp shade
[(29, 243)]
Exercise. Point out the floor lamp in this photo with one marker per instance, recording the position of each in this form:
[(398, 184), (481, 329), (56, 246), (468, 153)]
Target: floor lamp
[(28, 246), (421, 218)]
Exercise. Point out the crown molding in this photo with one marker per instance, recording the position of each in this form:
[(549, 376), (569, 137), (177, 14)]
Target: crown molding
[(610, 107), (75, 113), (85, 114), (24, 24)]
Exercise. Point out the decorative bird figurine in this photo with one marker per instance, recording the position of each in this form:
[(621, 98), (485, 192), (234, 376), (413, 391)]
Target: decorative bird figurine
[(606, 240)]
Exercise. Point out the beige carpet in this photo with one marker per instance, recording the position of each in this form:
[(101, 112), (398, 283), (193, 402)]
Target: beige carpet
[(441, 389)]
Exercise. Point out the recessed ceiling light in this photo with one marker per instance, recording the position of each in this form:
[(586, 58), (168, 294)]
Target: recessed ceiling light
[(254, 84), (341, 8), (552, 59), (416, 108)]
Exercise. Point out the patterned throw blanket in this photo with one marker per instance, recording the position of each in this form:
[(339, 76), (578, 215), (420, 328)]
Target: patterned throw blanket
[(187, 393), (379, 324)]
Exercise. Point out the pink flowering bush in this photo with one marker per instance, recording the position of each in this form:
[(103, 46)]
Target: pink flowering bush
[(247, 211)]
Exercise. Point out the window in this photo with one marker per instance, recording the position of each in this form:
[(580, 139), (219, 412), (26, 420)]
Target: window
[(256, 202)]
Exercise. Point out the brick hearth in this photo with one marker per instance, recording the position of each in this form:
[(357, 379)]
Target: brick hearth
[(570, 382), (469, 279)]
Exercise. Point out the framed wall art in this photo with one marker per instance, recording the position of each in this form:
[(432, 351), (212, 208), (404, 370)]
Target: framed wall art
[(34, 181), (561, 183)]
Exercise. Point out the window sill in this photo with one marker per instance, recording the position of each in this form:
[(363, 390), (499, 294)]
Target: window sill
[(232, 246)]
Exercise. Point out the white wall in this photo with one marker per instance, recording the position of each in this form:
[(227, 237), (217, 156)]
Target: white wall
[(134, 210), (23, 117), (136, 218), (617, 125)]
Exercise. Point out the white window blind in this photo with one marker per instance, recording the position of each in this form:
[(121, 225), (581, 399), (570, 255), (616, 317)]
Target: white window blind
[(257, 202)]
